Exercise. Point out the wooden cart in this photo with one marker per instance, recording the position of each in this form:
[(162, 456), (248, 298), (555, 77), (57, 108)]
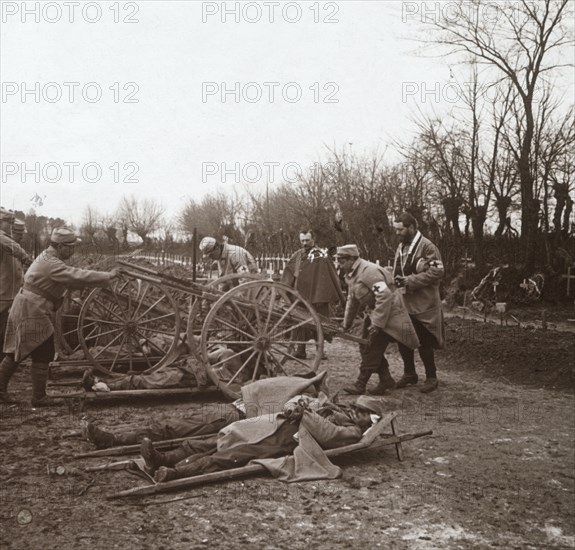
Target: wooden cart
[(146, 315)]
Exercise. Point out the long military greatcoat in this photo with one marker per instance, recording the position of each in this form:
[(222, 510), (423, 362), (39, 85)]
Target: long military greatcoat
[(373, 286), (31, 320), (423, 270), (12, 255)]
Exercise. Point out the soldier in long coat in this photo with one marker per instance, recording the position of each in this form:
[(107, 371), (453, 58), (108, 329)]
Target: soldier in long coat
[(13, 258), (30, 330), (418, 270), (372, 286), (315, 278)]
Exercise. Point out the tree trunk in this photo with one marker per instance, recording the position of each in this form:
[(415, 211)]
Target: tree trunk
[(567, 215), (528, 216), (451, 209), (478, 216), (502, 204)]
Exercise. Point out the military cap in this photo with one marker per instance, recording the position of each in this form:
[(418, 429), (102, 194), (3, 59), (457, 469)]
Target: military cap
[(207, 244), (64, 235), (19, 226), (371, 404), (348, 250), (6, 215)]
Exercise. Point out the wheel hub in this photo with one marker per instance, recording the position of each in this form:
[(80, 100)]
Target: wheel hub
[(262, 343)]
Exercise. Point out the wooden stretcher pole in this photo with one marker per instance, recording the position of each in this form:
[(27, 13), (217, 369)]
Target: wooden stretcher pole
[(368, 440)]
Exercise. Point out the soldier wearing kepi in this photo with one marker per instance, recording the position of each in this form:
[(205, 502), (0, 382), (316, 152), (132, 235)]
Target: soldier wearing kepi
[(231, 258), (13, 258), (372, 286), (30, 330), (418, 270)]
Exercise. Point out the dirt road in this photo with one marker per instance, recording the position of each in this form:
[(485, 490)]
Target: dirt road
[(499, 470)]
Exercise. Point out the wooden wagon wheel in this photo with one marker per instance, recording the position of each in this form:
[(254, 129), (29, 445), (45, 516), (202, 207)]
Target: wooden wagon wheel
[(199, 307), (66, 325), (135, 323), (249, 334)]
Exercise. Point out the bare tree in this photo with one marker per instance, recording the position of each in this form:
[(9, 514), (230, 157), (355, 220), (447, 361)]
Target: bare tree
[(215, 215), (90, 223), (141, 216), (520, 46)]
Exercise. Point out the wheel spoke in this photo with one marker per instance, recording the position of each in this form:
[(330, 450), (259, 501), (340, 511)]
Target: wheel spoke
[(277, 364), (239, 310), (288, 342), (271, 308), (285, 314), (140, 323), (151, 307), (291, 357), (139, 284), (108, 310), (105, 333), (105, 321), (229, 325), (107, 346), (118, 353), (241, 368), (305, 322), (256, 368), (151, 343), (156, 331), (231, 357)]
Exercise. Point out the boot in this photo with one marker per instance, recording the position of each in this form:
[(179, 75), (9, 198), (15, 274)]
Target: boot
[(386, 382), (88, 379), (429, 386), (97, 436), (406, 380), (39, 379), (165, 474), (152, 458), (359, 387), (7, 368)]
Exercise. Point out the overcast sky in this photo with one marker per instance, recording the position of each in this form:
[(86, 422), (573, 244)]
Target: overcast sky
[(161, 128)]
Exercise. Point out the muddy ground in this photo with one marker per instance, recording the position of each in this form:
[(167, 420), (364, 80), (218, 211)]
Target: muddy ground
[(498, 471)]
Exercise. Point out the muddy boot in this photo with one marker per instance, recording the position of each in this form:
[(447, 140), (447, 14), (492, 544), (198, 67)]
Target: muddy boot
[(88, 379), (153, 459), (386, 382), (406, 380), (97, 436), (7, 368), (39, 379), (429, 386), (165, 474), (359, 387)]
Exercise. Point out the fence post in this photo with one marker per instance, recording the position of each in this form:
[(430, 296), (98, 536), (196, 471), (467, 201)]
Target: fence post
[(194, 247)]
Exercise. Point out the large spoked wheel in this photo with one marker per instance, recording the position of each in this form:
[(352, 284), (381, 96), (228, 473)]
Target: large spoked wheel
[(251, 332), (199, 307), (66, 325), (135, 326)]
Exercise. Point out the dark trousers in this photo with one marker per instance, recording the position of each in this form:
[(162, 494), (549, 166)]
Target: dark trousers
[(373, 358), (279, 443), (426, 351), (209, 419)]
